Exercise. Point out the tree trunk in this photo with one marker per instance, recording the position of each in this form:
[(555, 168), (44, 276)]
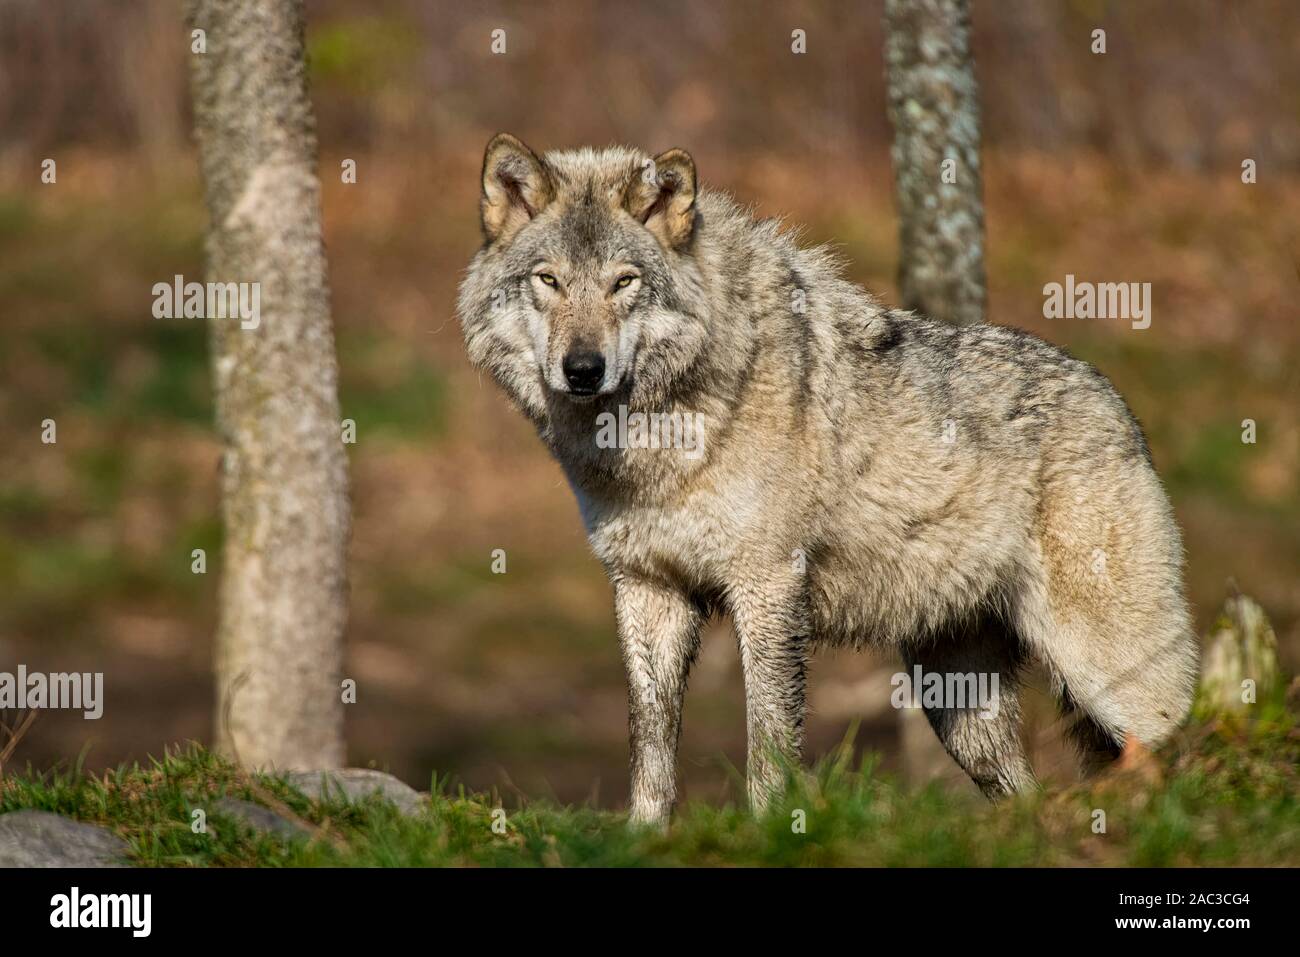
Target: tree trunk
[(934, 109), (283, 600)]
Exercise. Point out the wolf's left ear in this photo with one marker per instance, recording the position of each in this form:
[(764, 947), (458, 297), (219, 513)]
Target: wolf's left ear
[(516, 187), (662, 196)]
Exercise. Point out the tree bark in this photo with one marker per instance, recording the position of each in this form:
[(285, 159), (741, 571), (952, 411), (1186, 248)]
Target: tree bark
[(283, 598), (934, 108)]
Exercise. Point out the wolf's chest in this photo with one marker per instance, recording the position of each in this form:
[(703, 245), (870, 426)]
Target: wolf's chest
[(697, 540)]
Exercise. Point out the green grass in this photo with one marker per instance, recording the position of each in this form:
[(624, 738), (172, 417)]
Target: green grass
[(1224, 795)]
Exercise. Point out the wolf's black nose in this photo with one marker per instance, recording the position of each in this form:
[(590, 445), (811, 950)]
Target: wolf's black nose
[(584, 371)]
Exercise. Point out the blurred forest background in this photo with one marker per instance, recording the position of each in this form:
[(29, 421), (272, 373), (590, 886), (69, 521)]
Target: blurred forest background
[(1117, 167)]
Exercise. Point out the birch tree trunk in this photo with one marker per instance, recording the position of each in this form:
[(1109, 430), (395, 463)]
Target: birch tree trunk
[(934, 109), (283, 599)]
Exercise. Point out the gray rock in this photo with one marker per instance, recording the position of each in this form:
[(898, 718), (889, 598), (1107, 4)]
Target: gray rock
[(356, 784), (259, 818), (41, 839)]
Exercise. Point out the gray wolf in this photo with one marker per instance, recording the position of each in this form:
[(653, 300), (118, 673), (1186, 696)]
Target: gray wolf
[(968, 497)]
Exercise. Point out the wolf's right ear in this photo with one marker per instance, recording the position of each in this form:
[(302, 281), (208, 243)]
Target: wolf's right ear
[(516, 187)]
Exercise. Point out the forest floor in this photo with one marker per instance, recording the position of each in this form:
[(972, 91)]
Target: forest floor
[(1223, 793)]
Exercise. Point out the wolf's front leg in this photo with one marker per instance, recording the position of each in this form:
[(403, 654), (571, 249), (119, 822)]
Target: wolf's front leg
[(772, 625), (659, 629)]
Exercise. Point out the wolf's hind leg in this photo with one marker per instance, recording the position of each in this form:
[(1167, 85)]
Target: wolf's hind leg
[(1097, 747), (982, 737)]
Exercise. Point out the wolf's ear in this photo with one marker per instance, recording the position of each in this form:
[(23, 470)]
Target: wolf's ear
[(516, 187), (662, 196)]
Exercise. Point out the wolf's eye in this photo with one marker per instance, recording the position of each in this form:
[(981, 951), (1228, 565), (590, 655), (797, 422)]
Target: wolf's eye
[(549, 279), (623, 282)]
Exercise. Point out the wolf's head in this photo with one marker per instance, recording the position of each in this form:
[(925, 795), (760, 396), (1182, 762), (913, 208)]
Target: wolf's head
[(586, 284)]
